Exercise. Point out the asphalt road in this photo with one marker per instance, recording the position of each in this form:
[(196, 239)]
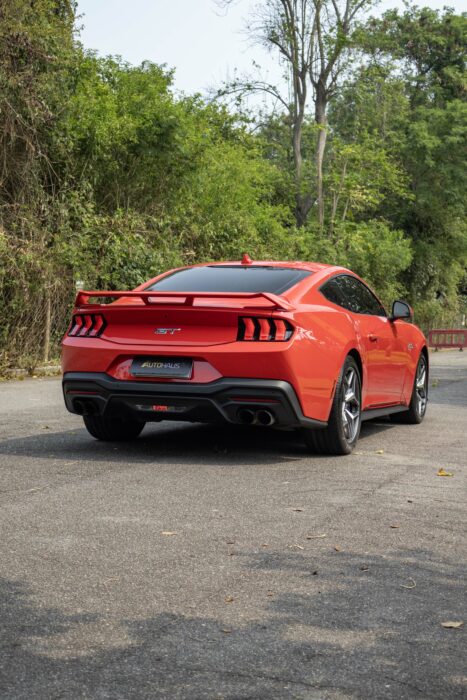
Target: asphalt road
[(202, 562)]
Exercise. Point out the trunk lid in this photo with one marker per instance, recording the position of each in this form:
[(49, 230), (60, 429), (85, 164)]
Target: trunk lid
[(175, 319)]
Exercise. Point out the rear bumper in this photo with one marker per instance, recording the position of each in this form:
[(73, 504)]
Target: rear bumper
[(218, 401)]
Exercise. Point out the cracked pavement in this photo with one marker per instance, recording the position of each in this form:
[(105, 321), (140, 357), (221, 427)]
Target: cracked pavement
[(202, 562)]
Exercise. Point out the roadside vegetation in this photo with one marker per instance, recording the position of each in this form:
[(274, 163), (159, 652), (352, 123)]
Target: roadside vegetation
[(108, 176)]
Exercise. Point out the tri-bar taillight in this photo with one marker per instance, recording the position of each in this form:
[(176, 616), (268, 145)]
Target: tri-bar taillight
[(264, 329), (87, 325)]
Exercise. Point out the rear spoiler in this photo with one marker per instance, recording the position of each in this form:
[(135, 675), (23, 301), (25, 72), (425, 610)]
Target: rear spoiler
[(181, 298)]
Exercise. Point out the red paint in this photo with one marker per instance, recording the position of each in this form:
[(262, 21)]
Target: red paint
[(310, 360)]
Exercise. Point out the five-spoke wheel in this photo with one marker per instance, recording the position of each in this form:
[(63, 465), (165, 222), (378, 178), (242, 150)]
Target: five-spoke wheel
[(419, 399), (351, 404), (341, 434)]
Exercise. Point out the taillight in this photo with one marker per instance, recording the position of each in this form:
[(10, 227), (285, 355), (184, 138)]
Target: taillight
[(87, 325), (264, 329)]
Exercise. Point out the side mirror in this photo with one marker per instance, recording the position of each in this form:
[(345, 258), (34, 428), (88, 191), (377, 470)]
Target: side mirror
[(400, 309)]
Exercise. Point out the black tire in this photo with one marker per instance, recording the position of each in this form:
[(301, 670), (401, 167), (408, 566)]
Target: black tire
[(419, 399), (340, 436), (113, 428)]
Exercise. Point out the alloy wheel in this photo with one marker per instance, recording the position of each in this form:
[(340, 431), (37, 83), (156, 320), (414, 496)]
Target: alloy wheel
[(350, 404), (421, 386)]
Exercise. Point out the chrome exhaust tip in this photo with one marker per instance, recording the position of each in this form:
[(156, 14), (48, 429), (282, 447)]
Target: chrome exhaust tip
[(85, 407), (246, 416), (265, 418)]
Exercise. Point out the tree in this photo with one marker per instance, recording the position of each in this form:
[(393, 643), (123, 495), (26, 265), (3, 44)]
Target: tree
[(423, 53), (313, 38)]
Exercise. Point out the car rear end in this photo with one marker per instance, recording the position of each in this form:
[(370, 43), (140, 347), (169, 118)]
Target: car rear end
[(211, 356)]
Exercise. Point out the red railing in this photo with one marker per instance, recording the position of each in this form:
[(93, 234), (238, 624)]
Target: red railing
[(448, 338)]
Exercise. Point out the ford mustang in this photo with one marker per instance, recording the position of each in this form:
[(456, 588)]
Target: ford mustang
[(294, 345)]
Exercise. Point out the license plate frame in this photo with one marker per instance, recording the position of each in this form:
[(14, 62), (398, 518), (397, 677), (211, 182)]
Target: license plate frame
[(161, 367)]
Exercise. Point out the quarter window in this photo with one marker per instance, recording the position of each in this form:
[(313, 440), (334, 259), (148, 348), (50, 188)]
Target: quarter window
[(331, 290)]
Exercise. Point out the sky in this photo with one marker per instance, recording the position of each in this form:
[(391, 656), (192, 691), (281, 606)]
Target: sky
[(204, 44)]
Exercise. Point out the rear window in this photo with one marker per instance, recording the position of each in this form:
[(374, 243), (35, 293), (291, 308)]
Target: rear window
[(229, 278)]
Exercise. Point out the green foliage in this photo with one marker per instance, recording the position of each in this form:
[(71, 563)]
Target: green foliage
[(411, 98), (372, 248), (108, 177)]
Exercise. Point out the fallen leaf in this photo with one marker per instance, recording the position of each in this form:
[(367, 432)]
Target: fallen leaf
[(379, 452), (451, 625), (394, 526), (315, 537), (443, 472), (412, 584), (295, 546), (228, 599), (168, 533)]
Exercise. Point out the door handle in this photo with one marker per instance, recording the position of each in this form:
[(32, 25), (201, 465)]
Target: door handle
[(372, 338)]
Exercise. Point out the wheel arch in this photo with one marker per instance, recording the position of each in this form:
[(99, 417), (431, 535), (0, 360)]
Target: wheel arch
[(357, 357), (425, 353), (354, 353)]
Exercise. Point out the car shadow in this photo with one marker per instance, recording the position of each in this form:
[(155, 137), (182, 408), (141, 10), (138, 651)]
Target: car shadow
[(178, 443), (355, 627)]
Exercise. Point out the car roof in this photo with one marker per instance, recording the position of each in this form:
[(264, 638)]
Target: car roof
[(321, 272), (299, 264)]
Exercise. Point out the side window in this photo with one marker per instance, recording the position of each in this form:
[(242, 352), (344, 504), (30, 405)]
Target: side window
[(351, 294), (358, 298)]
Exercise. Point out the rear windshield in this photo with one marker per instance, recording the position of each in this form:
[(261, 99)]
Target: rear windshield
[(229, 278)]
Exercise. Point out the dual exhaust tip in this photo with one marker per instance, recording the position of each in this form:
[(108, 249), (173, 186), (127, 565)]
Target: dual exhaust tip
[(246, 416), (85, 407), (249, 417)]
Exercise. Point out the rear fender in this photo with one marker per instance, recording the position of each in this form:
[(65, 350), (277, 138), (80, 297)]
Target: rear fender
[(323, 340)]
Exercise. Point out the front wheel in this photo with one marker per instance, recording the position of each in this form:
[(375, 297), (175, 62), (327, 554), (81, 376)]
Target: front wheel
[(341, 434), (419, 398), (113, 428)]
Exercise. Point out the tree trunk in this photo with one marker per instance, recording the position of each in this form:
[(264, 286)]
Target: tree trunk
[(302, 201), (47, 325), (300, 217), (321, 122)]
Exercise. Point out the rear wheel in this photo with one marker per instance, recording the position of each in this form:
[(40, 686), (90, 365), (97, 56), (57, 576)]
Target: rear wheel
[(419, 398), (341, 434), (113, 428)]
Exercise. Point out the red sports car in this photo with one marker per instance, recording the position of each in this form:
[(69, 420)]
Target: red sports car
[(294, 345)]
